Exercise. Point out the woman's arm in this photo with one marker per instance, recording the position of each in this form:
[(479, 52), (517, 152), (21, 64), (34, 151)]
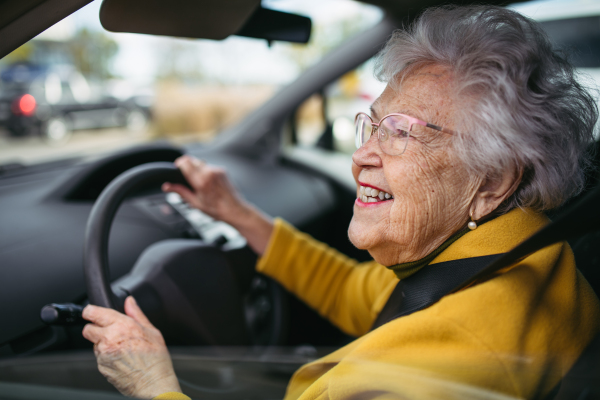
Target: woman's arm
[(336, 286), (213, 193), (348, 293)]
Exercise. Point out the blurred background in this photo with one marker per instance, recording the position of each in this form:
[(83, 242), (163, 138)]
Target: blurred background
[(78, 89)]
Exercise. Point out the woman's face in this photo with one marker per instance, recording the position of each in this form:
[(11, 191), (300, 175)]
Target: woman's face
[(430, 187)]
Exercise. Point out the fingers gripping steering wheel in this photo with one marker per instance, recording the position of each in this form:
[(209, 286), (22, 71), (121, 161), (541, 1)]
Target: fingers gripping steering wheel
[(195, 293)]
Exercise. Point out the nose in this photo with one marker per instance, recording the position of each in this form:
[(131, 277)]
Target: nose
[(369, 154)]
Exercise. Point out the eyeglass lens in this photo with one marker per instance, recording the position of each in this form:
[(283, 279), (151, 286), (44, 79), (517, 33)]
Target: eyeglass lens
[(392, 133)]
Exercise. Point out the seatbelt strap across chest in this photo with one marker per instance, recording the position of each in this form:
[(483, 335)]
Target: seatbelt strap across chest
[(433, 282), (429, 285)]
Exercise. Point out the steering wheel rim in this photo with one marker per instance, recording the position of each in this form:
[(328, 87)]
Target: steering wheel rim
[(96, 268), (95, 254)]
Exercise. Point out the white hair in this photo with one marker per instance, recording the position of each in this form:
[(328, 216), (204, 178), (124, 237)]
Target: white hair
[(521, 105)]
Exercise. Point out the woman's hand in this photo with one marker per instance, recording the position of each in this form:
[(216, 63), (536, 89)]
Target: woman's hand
[(213, 193), (130, 351)]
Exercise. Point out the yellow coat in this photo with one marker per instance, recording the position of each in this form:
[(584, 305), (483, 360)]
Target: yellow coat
[(515, 334)]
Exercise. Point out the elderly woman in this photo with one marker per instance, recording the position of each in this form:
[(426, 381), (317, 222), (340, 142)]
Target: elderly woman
[(481, 128)]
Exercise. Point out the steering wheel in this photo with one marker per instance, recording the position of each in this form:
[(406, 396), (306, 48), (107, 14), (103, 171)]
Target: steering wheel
[(194, 292)]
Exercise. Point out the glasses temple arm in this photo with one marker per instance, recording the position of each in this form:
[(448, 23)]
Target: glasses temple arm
[(439, 128)]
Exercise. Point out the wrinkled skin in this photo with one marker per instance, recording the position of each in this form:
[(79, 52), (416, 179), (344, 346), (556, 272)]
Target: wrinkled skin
[(433, 196), (208, 183), (213, 193), (433, 192), (130, 351)]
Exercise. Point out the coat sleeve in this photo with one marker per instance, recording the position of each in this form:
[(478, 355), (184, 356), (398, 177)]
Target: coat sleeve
[(172, 396), (348, 293)]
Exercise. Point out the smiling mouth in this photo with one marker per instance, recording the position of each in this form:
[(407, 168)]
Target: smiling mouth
[(372, 195)]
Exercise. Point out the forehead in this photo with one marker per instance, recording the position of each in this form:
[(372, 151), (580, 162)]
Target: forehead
[(425, 93)]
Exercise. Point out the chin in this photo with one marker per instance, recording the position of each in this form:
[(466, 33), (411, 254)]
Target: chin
[(363, 239), (360, 238)]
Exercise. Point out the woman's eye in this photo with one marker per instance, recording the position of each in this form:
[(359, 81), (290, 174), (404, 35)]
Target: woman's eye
[(400, 133)]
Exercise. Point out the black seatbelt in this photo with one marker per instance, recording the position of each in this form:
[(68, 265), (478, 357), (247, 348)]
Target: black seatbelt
[(429, 285)]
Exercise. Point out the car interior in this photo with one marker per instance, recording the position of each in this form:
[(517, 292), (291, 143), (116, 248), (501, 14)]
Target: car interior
[(96, 229)]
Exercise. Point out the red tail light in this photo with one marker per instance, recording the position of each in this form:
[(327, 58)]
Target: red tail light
[(24, 105)]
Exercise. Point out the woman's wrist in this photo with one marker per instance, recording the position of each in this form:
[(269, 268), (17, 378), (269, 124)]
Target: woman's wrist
[(254, 225), (159, 387)]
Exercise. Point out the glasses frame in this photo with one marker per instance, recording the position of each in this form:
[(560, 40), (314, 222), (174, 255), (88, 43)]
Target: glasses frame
[(411, 121)]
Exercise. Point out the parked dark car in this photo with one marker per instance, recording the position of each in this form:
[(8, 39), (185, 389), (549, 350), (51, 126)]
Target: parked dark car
[(54, 101)]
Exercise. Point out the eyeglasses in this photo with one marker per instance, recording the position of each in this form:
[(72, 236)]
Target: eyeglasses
[(393, 131)]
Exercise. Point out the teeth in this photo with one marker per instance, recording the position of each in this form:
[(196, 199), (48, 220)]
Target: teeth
[(370, 195)]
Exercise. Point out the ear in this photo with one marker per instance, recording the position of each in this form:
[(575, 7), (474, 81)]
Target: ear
[(493, 191)]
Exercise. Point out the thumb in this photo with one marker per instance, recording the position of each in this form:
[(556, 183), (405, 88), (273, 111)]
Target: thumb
[(134, 311)]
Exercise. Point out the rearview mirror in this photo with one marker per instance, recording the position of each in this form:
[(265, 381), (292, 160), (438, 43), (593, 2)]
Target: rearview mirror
[(276, 25)]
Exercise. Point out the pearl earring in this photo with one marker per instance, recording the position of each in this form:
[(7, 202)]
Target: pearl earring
[(472, 225)]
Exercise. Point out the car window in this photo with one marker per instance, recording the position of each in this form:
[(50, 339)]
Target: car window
[(580, 35), (332, 111), (158, 88), (573, 26)]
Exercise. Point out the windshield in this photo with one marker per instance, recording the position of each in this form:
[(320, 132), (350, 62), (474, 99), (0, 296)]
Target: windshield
[(77, 89)]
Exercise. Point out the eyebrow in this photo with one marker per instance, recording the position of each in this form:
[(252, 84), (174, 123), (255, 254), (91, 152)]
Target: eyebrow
[(372, 109), (405, 112)]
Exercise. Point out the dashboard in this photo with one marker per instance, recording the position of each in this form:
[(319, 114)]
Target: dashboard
[(44, 210)]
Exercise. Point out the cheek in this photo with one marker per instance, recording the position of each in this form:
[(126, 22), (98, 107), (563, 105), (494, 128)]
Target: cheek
[(420, 191), (411, 183)]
